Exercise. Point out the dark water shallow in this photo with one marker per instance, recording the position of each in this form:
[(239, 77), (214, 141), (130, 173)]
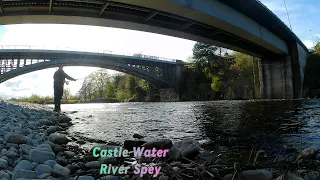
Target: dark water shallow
[(223, 126)]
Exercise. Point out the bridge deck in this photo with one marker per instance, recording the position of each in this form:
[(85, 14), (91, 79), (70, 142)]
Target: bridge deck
[(28, 11)]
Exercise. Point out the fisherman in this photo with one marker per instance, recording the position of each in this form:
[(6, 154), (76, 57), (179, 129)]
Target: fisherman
[(59, 80)]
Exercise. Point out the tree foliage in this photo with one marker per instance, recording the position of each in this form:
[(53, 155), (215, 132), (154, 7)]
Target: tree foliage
[(120, 87), (209, 76)]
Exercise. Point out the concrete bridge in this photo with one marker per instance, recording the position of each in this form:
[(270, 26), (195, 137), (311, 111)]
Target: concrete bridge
[(245, 25), (165, 73)]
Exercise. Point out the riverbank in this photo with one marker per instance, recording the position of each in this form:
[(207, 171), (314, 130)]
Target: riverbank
[(35, 143)]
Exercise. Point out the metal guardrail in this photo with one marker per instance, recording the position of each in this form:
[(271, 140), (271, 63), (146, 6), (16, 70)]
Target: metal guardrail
[(101, 51)]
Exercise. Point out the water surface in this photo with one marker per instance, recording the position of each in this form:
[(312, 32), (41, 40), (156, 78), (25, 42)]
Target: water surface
[(224, 126)]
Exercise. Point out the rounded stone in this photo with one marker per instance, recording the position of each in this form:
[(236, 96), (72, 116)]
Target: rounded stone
[(85, 178), (24, 164), (39, 156), (50, 163), (61, 171), (69, 154), (93, 164), (58, 138), (27, 174), (3, 166), (41, 169)]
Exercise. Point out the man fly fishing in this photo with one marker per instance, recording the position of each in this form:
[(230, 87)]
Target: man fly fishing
[(59, 80)]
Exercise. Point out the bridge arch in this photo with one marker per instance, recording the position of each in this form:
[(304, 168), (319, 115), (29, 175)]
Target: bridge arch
[(147, 75)]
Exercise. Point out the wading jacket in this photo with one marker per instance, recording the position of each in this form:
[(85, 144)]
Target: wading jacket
[(59, 78)]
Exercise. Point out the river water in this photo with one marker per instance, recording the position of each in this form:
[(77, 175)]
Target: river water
[(224, 126)]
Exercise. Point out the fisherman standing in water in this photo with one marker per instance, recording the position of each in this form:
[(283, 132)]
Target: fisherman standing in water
[(59, 80)]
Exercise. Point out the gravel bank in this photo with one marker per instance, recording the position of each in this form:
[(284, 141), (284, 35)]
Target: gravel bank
[(34, 144)]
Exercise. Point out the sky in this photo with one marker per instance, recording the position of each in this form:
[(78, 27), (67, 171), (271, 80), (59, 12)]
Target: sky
[(304, 14)]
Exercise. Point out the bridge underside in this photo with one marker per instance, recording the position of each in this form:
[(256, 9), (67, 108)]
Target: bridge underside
[(15, 63), (150, 16)]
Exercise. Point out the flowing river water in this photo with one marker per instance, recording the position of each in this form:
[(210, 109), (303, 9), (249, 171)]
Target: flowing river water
[(234, 127)]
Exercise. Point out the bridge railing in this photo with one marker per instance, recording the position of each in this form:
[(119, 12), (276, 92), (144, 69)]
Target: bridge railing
[(90, 50)]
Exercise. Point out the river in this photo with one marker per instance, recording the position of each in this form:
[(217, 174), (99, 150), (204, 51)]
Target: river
[(233, 127)]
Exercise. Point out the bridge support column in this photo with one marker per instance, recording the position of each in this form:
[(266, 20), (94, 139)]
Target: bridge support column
[(282, 77), (178, 75), (276, 78), (299, 59)]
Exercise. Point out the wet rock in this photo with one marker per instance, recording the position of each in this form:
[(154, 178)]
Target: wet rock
[(81, 142), (61, 171), (138, 136), (3, 166), (24, 157), (52, 129), (39, 156), (207, 157), (62, 161), (41, 169), (73, 168), (50, 143), (57, 148), (26, 148), (289, 177), (27, 174), (11, 153), (44, 176), (2, 132), (25, 131), (45, 122), (50, 163), (3, 152), (184, 148), (63, 119), (63, 125), (24, 164), (163, 177), (11, 145), (4, 175), (159, 144), (1, 140), (69, 154), (93, 164), (44, 147), (58, 138), (312, 177), (2, 160), (13, 138), (85, 178), (129, 144), (261, 174), (308, 153)]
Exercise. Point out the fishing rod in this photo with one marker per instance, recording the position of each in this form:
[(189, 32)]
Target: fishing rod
[(67, 82)]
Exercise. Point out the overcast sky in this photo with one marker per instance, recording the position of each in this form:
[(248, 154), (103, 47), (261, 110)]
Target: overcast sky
[(303, 16)]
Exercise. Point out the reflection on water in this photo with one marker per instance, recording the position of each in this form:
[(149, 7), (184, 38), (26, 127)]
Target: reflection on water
[(233, 126)]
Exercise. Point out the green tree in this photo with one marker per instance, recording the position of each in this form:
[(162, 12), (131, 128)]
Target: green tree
[(34, 98), (100, 80), (66, 94), (110, 91), (131, 85), (241, 79)]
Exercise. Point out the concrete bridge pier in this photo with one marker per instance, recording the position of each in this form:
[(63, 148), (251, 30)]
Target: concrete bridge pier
[(276, 78), (178, 75), (175, 77), (282, 77)]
